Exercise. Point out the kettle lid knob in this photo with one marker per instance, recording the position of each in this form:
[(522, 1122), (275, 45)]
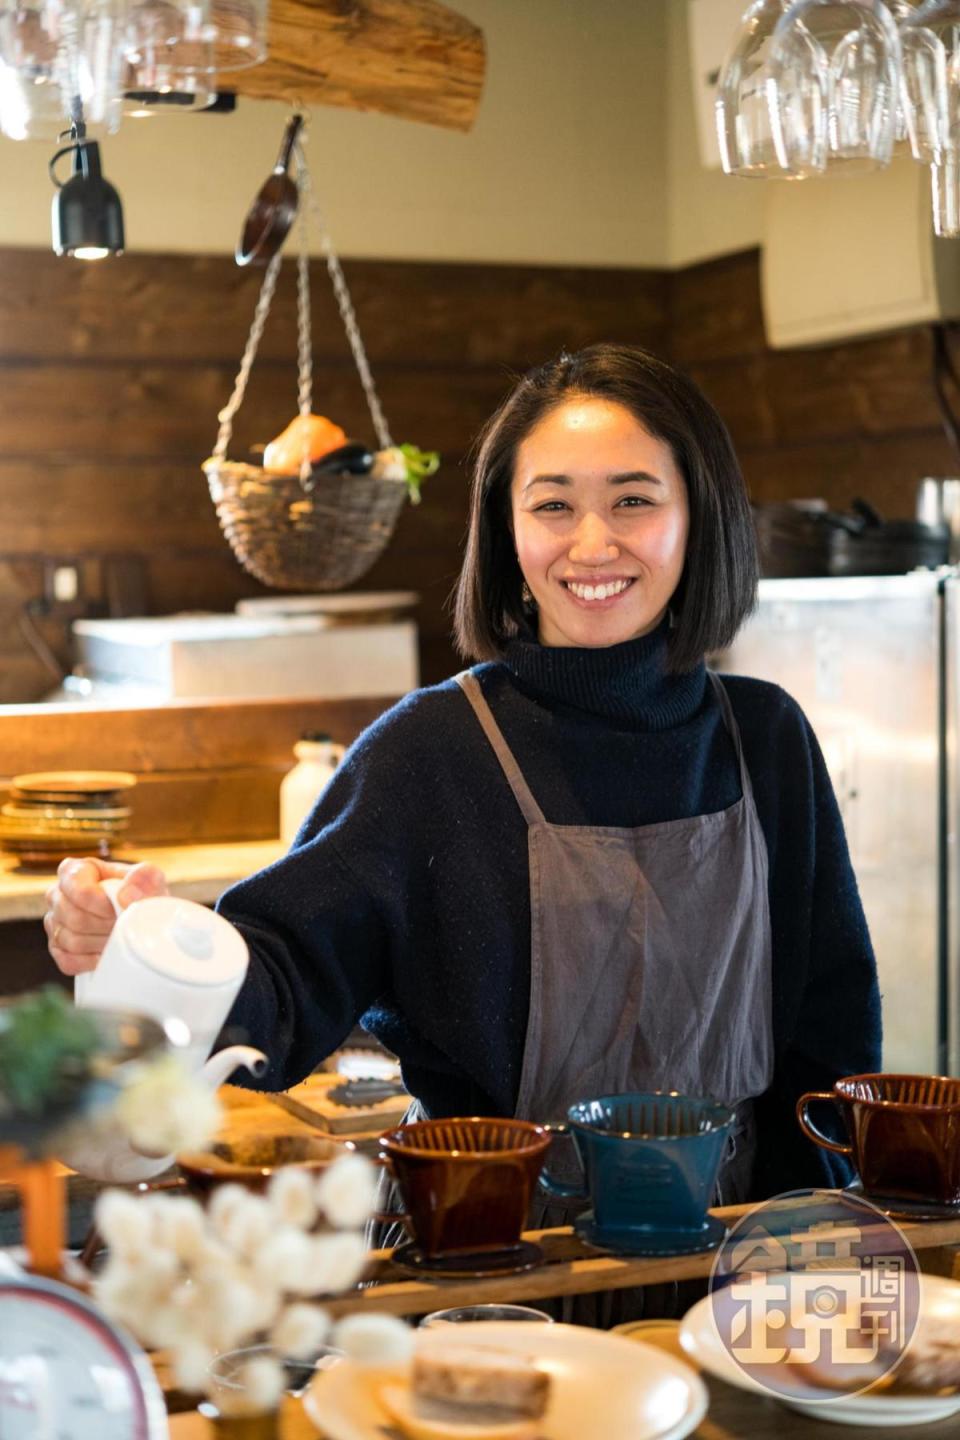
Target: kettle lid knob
[(184, 942), (192, 933)]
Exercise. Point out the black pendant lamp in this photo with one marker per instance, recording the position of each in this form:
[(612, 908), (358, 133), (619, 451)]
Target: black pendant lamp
[(86, 215)]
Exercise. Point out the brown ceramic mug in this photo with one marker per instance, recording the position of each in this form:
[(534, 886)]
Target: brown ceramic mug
[(253, 1161), (466, 1183), (904, 1135)]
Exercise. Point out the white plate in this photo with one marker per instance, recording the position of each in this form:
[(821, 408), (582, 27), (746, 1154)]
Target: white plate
[(600, 1385), (344, 603), (699, 1338), (359, 1064)]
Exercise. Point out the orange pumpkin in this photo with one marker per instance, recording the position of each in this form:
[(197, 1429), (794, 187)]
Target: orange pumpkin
[(285, 454)]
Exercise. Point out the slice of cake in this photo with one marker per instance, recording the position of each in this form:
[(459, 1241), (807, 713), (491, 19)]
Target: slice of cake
[(932, 1360), (456, 1392)]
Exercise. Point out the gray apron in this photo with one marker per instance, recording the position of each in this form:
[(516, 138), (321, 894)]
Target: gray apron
[(650, 962)]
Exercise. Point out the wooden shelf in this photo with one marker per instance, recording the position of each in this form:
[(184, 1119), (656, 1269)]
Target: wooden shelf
[(194, 872), (416, 59), (573, 1268)]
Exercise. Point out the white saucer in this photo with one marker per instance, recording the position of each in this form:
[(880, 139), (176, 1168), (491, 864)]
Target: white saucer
[(601, 1385), (700, 1340)]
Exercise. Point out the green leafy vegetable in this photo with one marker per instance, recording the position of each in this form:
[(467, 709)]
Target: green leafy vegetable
[(420, 465), (46, 1050)]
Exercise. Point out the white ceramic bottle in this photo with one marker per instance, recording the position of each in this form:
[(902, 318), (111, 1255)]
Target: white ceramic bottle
[(317, 758)]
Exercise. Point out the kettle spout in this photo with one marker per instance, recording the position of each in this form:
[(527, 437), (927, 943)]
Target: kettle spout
[(217, 1070)]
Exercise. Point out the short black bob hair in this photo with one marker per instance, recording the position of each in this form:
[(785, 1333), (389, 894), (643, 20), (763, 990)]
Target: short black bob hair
[(717, 588)]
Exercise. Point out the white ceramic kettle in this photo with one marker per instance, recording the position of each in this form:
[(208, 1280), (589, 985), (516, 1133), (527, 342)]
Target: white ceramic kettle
[(182, 965), (170, 959)]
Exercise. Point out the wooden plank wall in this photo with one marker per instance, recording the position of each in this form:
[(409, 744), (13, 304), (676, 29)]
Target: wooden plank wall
[(111, 377), (837, 421)]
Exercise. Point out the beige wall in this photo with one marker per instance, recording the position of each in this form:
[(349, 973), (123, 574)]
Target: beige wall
[(584, 152), (708, 213), (566, 163)]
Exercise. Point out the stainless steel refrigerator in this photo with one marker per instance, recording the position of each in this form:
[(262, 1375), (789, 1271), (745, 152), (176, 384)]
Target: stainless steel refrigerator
[(873, 662)]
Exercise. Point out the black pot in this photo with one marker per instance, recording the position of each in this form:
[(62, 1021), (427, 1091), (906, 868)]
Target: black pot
[(893, 547), (793, 540)]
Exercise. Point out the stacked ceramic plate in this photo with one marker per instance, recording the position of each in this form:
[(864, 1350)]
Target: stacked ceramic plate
[(65, 812)]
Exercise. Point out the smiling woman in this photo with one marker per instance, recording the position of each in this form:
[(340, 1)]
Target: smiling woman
[(607, 468), (601, 542)]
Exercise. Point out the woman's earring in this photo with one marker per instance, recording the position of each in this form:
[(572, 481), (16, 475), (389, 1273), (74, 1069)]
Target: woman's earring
[(526, 594)]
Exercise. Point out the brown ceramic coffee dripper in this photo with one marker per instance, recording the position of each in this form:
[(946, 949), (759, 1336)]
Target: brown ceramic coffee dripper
[(904, 1136), (466, 1183)]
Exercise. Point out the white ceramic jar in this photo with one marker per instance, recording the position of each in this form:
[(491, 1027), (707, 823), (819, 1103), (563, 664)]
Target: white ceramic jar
[(317, 758)]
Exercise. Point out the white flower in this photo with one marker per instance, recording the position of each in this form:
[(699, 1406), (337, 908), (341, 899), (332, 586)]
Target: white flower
[(262, 1379), (190, 1361), (139, 1290), (178, 1225), (224, 1201), (285, 1258), (291, 1197), (375, 1339), (336, 1263), (248, 1225), (123, 1221), (163, 1325), (347, 1192), (118, 1289), (156, 1274), (300, 1330), (202, 1282), (165, 1108), (233, 1305)]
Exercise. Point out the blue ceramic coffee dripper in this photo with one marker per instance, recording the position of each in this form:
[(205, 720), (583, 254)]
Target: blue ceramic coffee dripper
[(650, 1164)]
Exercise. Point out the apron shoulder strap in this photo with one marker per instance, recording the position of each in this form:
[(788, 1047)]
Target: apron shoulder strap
[(733, 729), (470, 686)]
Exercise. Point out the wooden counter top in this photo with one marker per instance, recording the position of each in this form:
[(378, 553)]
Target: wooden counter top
[(733, 1415), (195, 872), (570, 1268)]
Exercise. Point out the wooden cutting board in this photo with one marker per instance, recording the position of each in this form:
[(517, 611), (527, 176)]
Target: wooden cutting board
[(310, 1101)]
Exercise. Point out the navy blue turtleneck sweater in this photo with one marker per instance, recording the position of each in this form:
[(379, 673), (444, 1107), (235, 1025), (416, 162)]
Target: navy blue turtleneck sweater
[(406, 897)]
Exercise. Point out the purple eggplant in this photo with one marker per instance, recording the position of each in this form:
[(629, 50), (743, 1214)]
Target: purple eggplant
[(350, 459)]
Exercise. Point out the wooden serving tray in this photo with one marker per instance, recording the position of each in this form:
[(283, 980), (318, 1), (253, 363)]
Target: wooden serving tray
[(310, 1101)]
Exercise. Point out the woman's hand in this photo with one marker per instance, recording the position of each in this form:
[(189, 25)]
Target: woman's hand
[(81, 913)]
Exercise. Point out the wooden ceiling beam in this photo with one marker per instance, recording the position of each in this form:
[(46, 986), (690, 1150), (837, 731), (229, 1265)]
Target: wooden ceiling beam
[(416, 59)]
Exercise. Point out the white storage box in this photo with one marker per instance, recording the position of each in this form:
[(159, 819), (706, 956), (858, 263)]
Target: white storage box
[(217, 656)]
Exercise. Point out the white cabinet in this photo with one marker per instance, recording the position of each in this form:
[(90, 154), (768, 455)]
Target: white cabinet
[(851, 256)]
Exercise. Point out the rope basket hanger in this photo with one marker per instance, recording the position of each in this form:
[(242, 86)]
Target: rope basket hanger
[(323, 527)]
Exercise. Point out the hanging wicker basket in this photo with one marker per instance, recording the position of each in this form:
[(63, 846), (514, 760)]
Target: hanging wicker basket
[(284, 536), (308, 531)]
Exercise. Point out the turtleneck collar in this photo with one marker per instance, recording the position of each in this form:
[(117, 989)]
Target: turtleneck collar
[(627, 682)]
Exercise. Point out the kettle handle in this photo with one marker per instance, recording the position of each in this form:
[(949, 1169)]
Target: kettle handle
[(81, 982), (111, 888)]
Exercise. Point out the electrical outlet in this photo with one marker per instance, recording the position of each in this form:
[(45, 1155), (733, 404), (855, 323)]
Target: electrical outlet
[(61, 584), (65, 584)]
